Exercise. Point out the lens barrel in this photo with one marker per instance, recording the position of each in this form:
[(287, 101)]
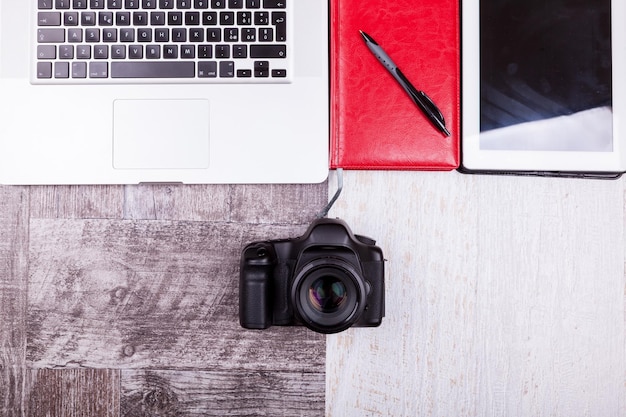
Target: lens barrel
[(329, 295)]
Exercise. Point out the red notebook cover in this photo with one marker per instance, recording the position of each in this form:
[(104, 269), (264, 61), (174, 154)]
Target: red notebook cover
[(374, 123)]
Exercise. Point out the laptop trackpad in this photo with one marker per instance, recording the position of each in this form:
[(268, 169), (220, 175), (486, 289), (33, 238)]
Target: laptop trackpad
[(160, 134)]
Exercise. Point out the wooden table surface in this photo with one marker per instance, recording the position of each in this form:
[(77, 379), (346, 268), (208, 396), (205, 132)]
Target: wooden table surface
[(123, 301), (505, 297)]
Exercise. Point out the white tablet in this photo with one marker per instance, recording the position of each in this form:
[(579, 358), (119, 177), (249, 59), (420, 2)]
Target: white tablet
[(544, 89)]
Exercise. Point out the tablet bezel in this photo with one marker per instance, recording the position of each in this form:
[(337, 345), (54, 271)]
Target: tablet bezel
[(476, 159)]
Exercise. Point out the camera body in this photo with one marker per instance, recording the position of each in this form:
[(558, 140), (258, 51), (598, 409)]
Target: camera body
[(327, 280)]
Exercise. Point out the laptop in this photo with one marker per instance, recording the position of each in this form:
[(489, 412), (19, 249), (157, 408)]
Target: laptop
[(543, 87), (163, 91)]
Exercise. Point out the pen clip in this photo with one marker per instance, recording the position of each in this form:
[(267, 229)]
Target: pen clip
[(430, 105), (420, 97)]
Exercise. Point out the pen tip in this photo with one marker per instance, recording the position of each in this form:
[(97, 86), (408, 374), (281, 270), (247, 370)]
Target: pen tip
[(445, 131), (367, 37)]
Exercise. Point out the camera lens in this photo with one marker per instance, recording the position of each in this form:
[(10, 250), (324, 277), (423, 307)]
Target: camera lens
[(327, 294)]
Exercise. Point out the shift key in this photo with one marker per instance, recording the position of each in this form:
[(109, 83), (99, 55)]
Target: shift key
[(268, 51), (50, 35)]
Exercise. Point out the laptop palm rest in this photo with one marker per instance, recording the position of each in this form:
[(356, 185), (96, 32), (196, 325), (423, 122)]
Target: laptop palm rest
[(161, 134)]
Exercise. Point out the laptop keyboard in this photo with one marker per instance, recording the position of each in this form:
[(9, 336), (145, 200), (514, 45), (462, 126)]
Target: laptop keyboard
[(170, 40)]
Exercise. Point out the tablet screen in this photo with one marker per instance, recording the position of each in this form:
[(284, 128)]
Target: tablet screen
[(545, 75)]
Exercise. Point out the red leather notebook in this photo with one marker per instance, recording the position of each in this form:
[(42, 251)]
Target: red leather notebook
[(374, 123)]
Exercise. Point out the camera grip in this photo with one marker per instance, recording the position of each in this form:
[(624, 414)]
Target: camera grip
[(255, 301)]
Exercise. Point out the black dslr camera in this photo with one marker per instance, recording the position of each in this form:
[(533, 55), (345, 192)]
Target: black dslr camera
[(328, 280)]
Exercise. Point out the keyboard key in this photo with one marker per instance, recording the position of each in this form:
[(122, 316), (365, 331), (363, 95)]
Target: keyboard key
[(109, 35), (192, 18), (261, 69), (127, 35), (88, 19), (213, 35), (170, 51), (135, 52), (62, 4), (75, 35), (261, 18), (51, 35), (49, 19), (44, 4), (227, 69), (209, 18), (187, 52), (105, 18), (175, 18), (222, 51), (279, 20), (118, 52), (179, 35), (83, 52), (207, 69), (205, 51), (162, 69), (274, 4), (196, 35), (122, 18), (98, 70), (244, 18), (266, 34), (240, 51), (44, 69), (101, 52), (279, 73), (79, 70), (268, 51), (66, 52), (61, 70), (92, 35), (46, 52), (153, 52)]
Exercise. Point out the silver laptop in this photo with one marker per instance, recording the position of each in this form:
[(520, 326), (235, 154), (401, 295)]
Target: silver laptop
[(142, 91)]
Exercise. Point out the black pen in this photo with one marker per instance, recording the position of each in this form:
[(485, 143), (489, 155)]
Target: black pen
[(419, 97)]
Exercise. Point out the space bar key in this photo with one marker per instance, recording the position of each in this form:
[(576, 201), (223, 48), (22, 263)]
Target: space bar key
[(163, 69)]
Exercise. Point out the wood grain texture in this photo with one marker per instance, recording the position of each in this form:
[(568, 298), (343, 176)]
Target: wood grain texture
[(155, 294), (505, 297), (212, 393), (106, 289), (72, 393), (13, 280)]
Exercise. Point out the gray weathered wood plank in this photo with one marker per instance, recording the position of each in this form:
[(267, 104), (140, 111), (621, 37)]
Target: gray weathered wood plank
[(13, 283), (72, 392), (151, 294), (72, 201), (214, 393), (103, 281)]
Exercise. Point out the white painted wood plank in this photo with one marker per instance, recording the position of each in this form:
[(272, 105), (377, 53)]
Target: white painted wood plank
[(505, 297)]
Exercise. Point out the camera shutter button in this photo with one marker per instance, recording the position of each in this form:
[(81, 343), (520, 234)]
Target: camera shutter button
[(366, 240)]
